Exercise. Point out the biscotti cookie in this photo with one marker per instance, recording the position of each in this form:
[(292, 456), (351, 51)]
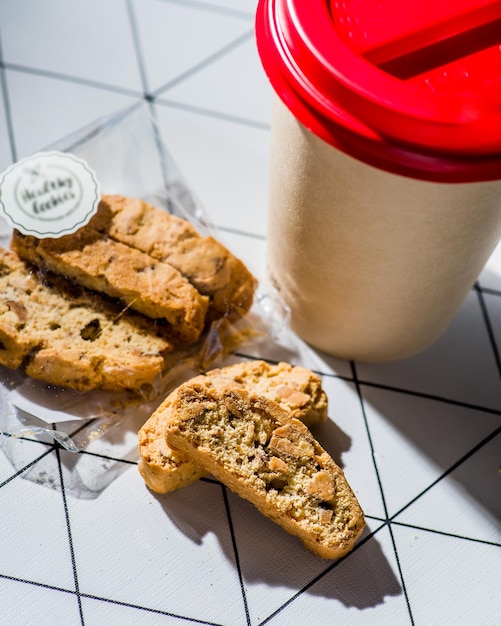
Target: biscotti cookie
[(142, 283), (212, 269), (296, 389), (73, 339), (251, 444)]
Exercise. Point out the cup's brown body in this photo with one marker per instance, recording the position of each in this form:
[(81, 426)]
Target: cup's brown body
[(373, 265)]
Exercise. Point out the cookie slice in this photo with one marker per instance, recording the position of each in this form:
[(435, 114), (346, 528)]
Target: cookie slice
[(210, 267), (71, 338), (297, 389), (142, 283), (251, 444)]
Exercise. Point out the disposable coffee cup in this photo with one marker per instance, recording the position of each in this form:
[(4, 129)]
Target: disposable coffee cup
[(385, 192)]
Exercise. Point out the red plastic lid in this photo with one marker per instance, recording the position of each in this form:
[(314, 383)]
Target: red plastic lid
[(413, 88)]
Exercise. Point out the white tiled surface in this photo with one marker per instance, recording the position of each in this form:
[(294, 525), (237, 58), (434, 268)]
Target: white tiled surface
[(419, 440)]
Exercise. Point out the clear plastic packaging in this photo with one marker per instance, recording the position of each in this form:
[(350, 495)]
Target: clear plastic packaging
[(127, 155)]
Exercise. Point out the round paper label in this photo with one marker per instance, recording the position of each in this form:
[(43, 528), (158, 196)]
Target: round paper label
[(49, 194)]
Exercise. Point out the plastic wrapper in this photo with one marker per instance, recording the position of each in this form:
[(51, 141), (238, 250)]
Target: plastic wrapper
[(127, 155)]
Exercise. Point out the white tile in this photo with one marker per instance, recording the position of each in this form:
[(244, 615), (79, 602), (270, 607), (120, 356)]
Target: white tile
[(87, 39), (362, 589), (100, 612), (6, 153), (234, 85), (25, 604), (44, 110), (465, 503), (460, 366), (449, 581), (176, 38), (416, 440), (246, 7), (155, 547), (16, 454), (226, 164), (34, 543), (493, 306), (490, 277), (345, 437)]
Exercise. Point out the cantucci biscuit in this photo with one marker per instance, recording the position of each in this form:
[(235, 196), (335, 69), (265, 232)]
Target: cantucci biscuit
[(70, 338), (142, 283), (210, 267), (255, 448), (297, 389), (154, 262)]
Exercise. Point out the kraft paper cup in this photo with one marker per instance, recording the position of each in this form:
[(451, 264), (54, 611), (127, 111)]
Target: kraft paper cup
[(373, 265), (384, 201)]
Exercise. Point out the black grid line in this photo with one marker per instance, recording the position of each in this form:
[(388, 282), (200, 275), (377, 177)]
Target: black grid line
[(450, 469), (226, 117), (137, 47), (488, 326), (70, 538), (380, 485), (235, 550), (156, 98), (431, 396), (148, 98), (90, 596), (215, 56), (68, 78), (28, 466), (139, 607), (488, 290), (319, 577), (434, 531)]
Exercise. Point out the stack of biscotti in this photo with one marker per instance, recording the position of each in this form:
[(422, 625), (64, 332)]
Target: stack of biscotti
[(71, 338), (133, 268), (154, 262), (255, 446), (296, 389)]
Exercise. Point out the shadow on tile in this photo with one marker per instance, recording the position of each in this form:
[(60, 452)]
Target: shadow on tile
[(434, 412), (268, 555), (419, 442)]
